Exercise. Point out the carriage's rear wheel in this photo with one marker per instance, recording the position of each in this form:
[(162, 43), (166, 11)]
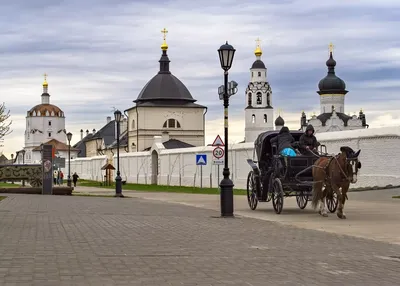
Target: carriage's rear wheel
[(302, 199), (332, 201), (252, 190), (277, 195)]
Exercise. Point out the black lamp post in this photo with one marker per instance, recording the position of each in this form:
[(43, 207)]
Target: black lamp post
[(226, 53), (23, 163), (118, 179), (69, 137)]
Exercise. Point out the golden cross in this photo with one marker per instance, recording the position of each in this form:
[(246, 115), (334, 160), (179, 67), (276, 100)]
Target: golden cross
[(279, 111), (258, 41), (331, 46), (164, 31), (45, 76)]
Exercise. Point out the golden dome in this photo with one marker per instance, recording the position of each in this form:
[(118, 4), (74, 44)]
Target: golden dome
[(46, 110), (45, 80), (258, 52), (164, 46)]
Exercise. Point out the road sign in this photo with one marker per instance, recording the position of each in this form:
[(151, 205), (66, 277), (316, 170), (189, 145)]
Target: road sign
[(232, 89), (59, 162), (201, 159), (218, 161), (218, 152), (218, 141)]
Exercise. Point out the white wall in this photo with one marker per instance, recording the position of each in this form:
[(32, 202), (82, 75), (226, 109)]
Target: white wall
[(378, 156)]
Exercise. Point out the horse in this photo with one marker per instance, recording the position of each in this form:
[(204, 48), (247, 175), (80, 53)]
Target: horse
[(335, 173)]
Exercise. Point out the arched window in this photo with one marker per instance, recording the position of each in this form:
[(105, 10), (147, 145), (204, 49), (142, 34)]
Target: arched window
[(265, 118), (133, 124), (253, 119), (252, 74), (249, 99), (259, 73), (259, 98), (268, 99), (171, 123)]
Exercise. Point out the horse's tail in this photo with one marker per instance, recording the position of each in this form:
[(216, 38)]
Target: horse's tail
[(317, 194)]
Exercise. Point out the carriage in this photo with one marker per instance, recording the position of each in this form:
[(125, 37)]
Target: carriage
[(273, 177)]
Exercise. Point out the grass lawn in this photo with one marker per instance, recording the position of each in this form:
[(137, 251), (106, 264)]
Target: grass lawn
[(9, 185), (159, 188), (396, 197), (2, 198)]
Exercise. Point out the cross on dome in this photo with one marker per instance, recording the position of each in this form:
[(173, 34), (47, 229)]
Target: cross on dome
[(331, 46), (164, 45), (258, 51)]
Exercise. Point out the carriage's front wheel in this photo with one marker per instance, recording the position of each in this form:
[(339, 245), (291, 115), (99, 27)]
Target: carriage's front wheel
[(332, 201), (252, 190), (277, 195)]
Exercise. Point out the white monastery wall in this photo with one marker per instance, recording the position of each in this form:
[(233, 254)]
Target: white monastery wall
[(378, 156)]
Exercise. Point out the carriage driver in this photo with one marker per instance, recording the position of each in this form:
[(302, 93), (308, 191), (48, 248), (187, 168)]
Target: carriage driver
[(284, 142), (308, 142)]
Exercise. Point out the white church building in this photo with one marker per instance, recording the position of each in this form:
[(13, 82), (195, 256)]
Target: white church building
[(332, 92), (45, 124)]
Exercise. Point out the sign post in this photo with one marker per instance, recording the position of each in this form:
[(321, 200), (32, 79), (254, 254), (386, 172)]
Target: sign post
[(201, 160), (218, 154), (47, 165)]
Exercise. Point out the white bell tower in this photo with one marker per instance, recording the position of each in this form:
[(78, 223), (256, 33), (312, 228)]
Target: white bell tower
[(259, 113)]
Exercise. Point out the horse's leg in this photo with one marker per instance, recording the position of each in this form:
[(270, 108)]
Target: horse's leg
[(323, 210), (345, 188), (318, 198), (336, 189)]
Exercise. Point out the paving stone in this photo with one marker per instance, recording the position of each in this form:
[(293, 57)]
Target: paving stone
[(57, 240)]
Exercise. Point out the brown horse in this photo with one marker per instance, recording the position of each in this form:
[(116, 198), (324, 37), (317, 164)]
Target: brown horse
[(335, 173)]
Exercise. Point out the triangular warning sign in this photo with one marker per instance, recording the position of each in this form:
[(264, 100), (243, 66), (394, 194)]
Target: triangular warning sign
[(201, 160), (218, 141)]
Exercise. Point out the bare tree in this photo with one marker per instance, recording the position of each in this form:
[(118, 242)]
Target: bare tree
[(5, 123)]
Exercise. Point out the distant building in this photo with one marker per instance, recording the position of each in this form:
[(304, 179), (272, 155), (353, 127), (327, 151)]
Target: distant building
[(165, 107), (332, 117), (259, 113), (45, 124)]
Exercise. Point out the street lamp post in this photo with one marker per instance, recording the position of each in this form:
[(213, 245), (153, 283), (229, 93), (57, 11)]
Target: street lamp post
[(69, 137), (23, 163), (118, 179), (226, 53)]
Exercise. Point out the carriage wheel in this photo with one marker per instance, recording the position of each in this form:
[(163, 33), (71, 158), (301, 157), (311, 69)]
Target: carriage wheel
[(252, 190), (302, 200), (277, 196), (332, 201)]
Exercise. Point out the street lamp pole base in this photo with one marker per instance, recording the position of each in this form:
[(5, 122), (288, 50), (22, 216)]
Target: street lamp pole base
[(69, 182), (118, 186), (226, 196)]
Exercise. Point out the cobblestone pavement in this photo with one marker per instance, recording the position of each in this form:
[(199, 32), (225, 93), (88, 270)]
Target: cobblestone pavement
[(370, 214), (61, 240)]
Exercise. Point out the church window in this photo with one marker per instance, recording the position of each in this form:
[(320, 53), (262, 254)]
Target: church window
[(259, 73), (49, 134), (259, 98), (133, 124), (47, 113), (171, 123), (249, 99), (253, 119), (265, 118), (268, 99), (252, 74), (49, 122)]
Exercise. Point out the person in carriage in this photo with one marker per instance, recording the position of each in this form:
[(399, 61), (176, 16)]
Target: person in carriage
[(283, 142), (308, 142)]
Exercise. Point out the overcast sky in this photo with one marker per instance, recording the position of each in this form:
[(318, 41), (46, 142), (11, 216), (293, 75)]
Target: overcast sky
[(98, 54)]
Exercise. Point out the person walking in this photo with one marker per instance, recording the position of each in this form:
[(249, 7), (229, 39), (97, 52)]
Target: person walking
[(75, 178), (61, 177)]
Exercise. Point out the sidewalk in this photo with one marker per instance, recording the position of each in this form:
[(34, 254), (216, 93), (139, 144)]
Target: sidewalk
[(370, 214)]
